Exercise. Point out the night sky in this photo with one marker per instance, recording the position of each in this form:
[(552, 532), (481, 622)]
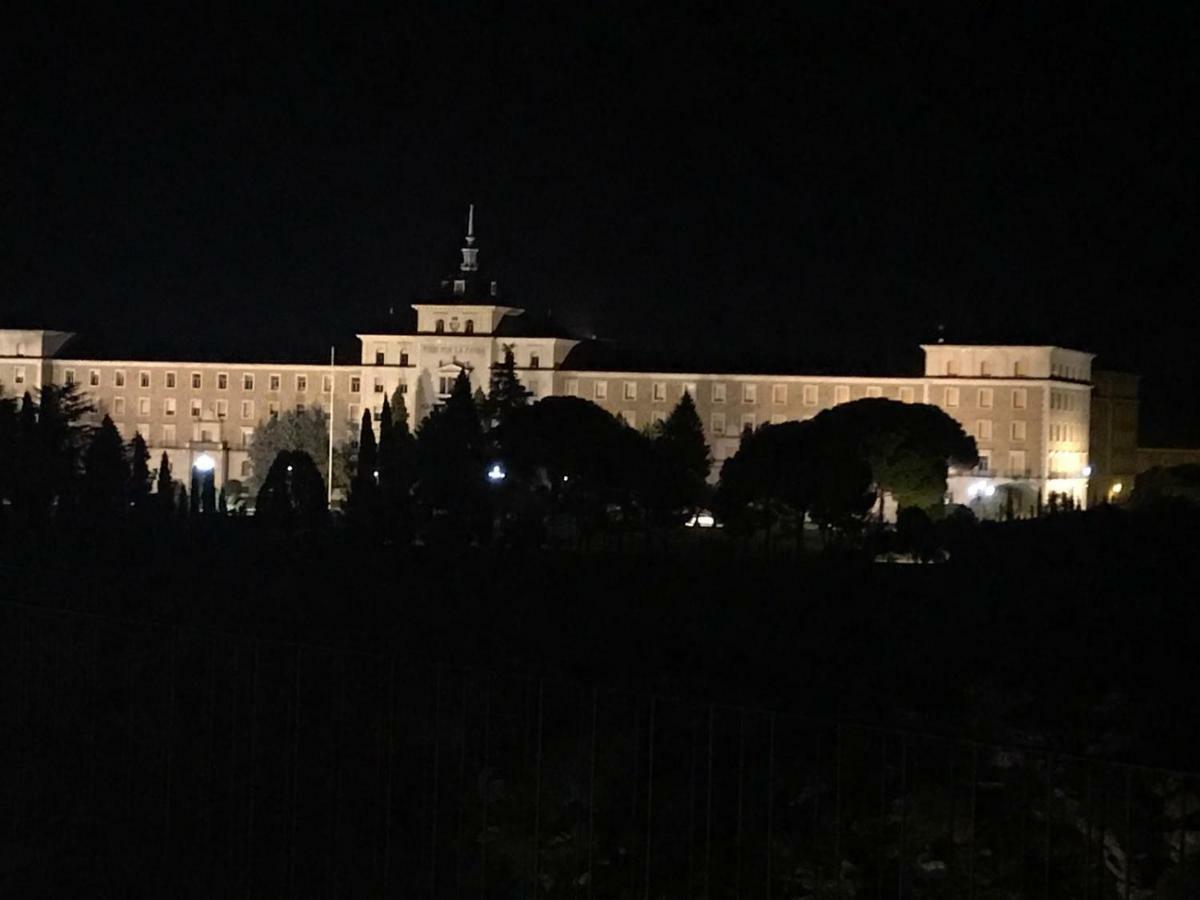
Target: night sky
[(819, 187)]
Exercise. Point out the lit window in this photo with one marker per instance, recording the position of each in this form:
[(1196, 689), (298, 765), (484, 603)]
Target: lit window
[(273, 382), (197, 381), (718, 393), (841, 393), (600, 390), (1018, 398), (810, 395), (874, 391), (222, 381), (94, 378), (355, 384), (718, 423), (247, 409), (630, 390), (460, 286), (951, 396), (985, 398), (906, 395), (749, 393), (301, 384), (248, 382), (1018, 430), (170, 380), (144, 379), (779, 393)]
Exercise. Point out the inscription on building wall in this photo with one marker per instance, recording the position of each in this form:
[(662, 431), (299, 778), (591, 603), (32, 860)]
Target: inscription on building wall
[(455, 349)]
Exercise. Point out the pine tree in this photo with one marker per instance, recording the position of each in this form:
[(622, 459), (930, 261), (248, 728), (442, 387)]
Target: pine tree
[(400, 414), (105, 473), (395, 461), (684, 456), (450, 463), (138, 490), (505, 392)]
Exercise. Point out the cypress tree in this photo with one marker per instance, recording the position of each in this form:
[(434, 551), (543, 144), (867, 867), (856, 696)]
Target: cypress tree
[(139, 472), (164, 486), (505, 392), (364, 487)]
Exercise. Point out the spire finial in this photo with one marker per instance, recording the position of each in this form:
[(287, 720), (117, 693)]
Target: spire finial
[(469, 252)]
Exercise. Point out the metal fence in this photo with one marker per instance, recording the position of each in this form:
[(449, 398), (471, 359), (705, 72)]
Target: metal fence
[(144, 760)]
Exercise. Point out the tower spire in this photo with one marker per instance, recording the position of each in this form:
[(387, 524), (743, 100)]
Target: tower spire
[(469, 252)]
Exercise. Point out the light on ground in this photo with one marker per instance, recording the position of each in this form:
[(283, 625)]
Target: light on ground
[(496, 473), (204, 463)]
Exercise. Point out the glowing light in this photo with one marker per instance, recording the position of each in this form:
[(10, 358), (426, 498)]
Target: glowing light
[(204, 463), (990, 490), (1117, 488), (496, 474), (1087, 471), (289, 468), (701, 520)]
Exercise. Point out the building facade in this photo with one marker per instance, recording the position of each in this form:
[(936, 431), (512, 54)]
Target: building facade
[(1029, 408)]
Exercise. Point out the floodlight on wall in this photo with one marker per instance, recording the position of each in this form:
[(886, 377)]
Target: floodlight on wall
[(1087, 471), (204, 463)]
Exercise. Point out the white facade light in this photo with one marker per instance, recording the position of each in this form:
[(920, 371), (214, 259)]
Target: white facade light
[(204, 463), (1087, 471), (990, 491), (1117, 488)]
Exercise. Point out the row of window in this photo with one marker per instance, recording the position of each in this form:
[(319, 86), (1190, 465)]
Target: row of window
[(1064, 432), (1068, 400), (985, 368), (171, 380), (1017, 430), (718, 392), (985, 399), (220, 409)]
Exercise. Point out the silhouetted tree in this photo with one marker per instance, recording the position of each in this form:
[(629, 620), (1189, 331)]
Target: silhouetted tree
[(164, 487), (505, 392), (450, 463), (138, 491), (395, 464), (306, 431), (293, 494), (364, 490), (681, 480), (105, 479)]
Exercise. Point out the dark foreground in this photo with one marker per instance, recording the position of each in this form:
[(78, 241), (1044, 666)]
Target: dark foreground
[(219, 710)]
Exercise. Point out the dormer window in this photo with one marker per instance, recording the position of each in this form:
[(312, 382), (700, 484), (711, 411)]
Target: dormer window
[(460, 286), (469, 328), (439, 326), (534, 361)]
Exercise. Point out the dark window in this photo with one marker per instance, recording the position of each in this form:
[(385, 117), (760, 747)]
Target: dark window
[(440, 326), (534, 361), (379, 357), (470, 327), (403, 359)]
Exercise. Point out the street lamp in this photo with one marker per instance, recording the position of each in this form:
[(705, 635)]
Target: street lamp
[(204, 463), (496, 473)]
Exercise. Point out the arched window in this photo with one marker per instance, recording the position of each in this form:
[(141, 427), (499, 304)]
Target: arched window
[(469, 328), (440, 326), (247, 468)]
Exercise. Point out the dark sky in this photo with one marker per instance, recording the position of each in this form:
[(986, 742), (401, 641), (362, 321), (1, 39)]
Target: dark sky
[(816, 186)]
